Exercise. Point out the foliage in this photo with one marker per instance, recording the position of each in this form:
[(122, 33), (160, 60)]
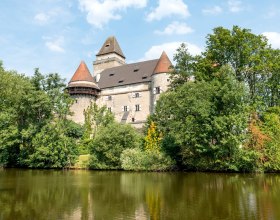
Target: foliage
[(183, 71), (96, 117), (152, 139), (52, 148), (31, 110), (209, 124), (108, 144), (139, 160)]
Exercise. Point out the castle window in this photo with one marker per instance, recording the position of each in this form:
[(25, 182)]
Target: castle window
[(133, 119), (110, 109), (111, 74), (76, 100), (107, 45), (137, 108), (135, 95), (157, 90), (108, 98), (125, 108)]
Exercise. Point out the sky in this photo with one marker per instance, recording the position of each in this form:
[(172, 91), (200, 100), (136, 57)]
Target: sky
[(56, 35)]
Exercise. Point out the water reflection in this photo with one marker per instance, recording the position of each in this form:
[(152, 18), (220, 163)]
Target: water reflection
[(47, 194)]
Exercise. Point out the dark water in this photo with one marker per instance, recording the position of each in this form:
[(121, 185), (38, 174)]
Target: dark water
[(48, 194)]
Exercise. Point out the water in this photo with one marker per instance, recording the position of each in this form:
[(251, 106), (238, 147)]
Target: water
[(80, 194)]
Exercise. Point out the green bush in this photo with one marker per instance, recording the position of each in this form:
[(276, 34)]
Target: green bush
[(138, 160), (108, 144)]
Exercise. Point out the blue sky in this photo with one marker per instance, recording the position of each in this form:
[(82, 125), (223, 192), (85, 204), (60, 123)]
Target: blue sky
[(55, 35)]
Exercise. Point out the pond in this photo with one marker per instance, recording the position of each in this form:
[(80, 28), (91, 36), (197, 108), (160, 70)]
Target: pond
[(82, 194)]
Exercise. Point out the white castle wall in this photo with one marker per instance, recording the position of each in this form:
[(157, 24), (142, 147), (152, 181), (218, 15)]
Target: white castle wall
[(117, 97), (161, 81), (81, 102)]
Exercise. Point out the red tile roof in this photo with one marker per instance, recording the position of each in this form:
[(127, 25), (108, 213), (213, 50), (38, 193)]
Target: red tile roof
[(163, 65), (82, 74)]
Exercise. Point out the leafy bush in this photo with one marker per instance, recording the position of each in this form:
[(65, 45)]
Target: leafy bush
[(52, 148), (108, 144), (138, 160)]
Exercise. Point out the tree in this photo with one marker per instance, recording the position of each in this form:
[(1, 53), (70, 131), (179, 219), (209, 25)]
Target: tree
[(246, 53), (108, 144), (52, 148), (209, 124), (96, 117), (153, 139), (183, 71)]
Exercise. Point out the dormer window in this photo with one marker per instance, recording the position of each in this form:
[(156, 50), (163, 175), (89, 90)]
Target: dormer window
[(121, 81), (136, 68), (144, 77), (107, 45), (111, 74)]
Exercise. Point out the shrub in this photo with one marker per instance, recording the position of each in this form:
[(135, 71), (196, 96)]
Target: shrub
[(138, 160)]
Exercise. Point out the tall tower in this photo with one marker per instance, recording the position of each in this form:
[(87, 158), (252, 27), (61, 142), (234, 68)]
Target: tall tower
[(160, 78), (110, 55), (83, 89)]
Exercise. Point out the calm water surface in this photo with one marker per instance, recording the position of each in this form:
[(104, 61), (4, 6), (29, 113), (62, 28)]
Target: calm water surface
[(79, 194)]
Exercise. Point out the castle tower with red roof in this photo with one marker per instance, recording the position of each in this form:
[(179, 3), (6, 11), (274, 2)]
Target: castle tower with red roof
[(83, 89)]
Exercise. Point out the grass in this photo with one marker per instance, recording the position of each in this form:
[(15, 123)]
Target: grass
[(82, 162)]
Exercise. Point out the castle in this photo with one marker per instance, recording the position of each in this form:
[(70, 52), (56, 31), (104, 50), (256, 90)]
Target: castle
[(129, 91)]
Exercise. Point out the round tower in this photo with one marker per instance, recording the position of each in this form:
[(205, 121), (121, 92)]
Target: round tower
[(83, 89), (160, 78)]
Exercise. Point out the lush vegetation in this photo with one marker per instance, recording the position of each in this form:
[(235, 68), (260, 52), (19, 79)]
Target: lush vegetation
[(35, 131), (221, 113), (222, 109)]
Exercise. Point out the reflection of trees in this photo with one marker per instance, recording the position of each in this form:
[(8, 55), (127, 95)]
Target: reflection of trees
[(31, 194)]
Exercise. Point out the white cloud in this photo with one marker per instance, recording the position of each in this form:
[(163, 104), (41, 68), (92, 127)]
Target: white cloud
[(170, 48), (50, 16), (212, 11), (175, 28), (273, 39), (41, 18), (100, 12), (56, 44), (167, 8), (272, 12), (235, 5)]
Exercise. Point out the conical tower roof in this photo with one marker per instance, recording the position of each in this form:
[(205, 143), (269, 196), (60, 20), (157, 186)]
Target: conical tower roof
[(82, 74), (163, 65), (82, 78), (111, 45)]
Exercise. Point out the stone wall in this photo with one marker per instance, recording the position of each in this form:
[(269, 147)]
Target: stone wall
[(135, 97), (81, 102)]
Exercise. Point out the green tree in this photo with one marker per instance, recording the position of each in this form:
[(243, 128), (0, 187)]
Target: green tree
[(52, 148), (183, 70), (246, 53), (209, 124), (108, 144), (95, 117)]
